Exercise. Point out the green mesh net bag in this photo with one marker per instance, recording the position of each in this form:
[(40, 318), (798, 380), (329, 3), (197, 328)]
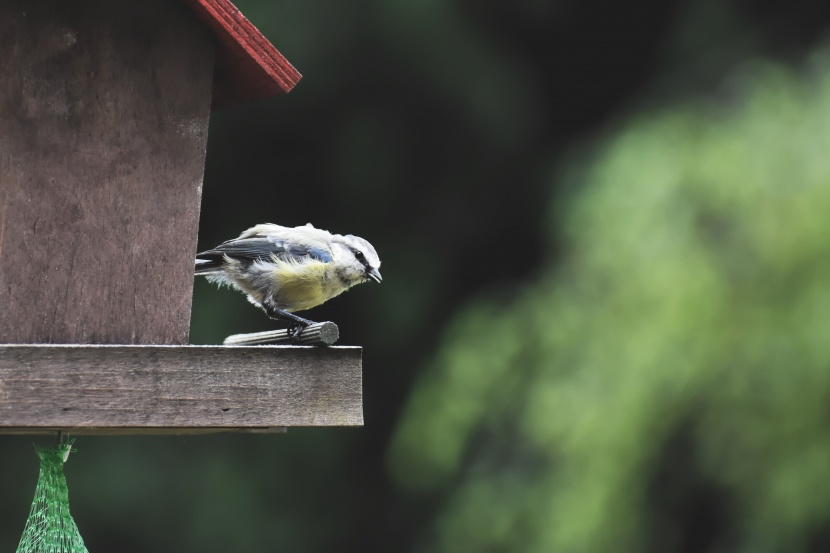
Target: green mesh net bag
[(50, 528)]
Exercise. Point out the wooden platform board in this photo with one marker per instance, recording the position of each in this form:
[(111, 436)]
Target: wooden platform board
[(113, 389)]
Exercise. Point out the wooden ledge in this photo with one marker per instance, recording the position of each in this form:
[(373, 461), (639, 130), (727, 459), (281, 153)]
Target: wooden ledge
[(106, 389)]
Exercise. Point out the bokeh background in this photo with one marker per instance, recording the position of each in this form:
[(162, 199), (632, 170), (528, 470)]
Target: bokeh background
[(604, 324)]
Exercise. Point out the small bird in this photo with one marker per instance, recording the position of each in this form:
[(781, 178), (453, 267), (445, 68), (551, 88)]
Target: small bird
[(285, 269)]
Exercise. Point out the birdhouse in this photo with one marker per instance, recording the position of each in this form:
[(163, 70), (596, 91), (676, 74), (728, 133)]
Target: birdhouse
[(104, 108)]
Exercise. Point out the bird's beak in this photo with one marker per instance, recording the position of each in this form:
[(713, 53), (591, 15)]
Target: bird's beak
[(374, 274)]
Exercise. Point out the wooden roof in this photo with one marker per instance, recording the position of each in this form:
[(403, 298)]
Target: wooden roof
[(248, 66)]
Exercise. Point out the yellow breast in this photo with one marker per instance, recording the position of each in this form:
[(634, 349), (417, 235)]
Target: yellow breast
[(302, 286)]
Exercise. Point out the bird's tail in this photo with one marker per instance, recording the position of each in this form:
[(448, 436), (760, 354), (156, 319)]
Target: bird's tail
[(208, 266)]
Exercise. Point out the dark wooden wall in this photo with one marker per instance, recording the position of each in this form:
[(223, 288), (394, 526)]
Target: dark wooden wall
[(104, 110)]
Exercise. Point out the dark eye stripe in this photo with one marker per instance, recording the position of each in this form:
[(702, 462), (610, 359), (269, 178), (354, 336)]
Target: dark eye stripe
[(360, 257)]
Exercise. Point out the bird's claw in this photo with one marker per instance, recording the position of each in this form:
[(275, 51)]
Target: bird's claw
[(295, 330)]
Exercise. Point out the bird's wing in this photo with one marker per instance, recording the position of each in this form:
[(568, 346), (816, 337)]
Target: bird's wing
[(264, 247)]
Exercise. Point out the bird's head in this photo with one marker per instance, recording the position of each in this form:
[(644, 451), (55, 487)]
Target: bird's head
[(356, 259)]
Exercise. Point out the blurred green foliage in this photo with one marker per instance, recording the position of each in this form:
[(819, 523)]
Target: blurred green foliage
[(664, 386)]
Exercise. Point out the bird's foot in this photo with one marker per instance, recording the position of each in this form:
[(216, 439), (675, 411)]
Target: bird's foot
[(297, 324)]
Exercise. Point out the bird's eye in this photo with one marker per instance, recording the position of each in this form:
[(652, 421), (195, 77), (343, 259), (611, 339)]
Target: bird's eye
[(358, 254)]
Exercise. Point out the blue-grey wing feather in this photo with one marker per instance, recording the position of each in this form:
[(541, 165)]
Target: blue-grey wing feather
[(263, 247)]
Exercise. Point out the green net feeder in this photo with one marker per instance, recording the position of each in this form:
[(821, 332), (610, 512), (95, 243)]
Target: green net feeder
[(50, 528)]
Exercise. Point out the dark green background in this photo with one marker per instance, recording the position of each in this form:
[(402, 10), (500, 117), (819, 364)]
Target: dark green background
[(603, 321)]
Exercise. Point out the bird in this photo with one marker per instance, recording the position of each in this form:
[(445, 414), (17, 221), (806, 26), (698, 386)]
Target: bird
[(283, 270)]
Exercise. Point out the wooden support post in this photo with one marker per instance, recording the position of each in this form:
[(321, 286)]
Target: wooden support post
[(318, 334)]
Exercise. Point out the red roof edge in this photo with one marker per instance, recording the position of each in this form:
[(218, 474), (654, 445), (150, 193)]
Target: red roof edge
[(247, 67)]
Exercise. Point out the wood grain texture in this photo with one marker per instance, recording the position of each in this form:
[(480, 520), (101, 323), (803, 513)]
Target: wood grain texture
[(247, 64), (89, 431), (120, 389), (104, 110)]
